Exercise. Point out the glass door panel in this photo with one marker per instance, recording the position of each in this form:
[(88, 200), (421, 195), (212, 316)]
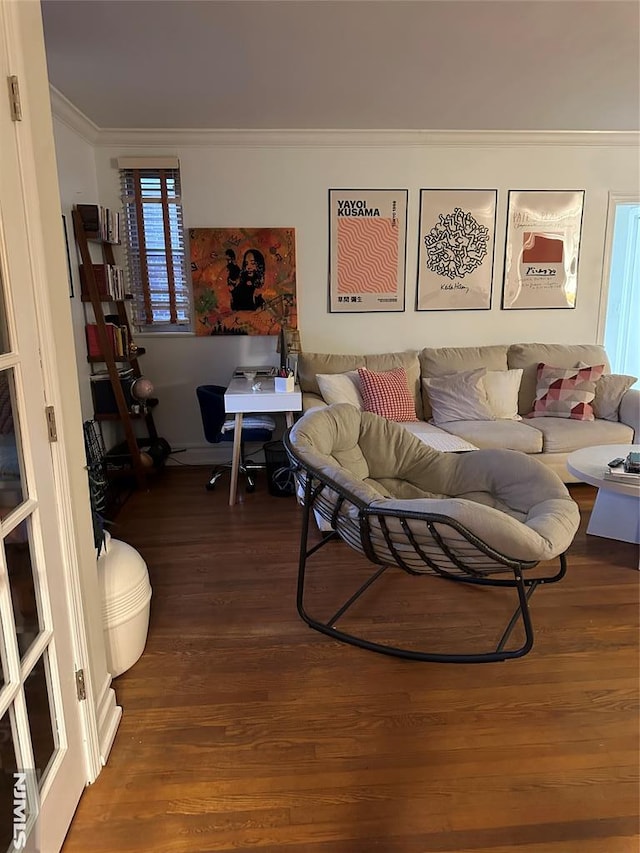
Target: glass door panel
[(12, 491), (44, 735), (17, 549)]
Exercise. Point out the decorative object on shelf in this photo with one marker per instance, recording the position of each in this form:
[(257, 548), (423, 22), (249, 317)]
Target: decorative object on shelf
[(237, 273), (367, 250), (142, 388), (456, 249), (542, 248)]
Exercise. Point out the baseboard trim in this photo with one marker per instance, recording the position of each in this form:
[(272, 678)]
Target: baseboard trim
[(109, 716)]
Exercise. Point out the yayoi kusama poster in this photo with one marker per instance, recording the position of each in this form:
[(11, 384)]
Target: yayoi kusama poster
[(367, 250)]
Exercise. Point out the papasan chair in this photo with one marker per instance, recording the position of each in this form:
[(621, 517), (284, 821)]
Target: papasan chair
[(484, 517)]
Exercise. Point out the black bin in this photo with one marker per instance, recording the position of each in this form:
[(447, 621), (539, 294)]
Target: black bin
[(280, 477)]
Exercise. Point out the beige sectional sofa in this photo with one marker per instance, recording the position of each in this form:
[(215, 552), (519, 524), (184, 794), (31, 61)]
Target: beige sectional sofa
[(551, 439)]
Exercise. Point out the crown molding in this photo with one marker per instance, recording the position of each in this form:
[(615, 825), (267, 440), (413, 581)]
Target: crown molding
[(149, 138), (63, 110), (215, 138)]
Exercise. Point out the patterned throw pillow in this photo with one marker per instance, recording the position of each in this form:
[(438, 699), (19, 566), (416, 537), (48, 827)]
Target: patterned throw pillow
[(387, 394), (565, 392)]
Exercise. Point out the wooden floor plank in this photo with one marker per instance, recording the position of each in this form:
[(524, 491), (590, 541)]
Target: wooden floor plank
[(244, 730)]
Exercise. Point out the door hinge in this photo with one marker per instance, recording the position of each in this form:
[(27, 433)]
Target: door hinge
[(80, 688), (14, 98), (51, 423)]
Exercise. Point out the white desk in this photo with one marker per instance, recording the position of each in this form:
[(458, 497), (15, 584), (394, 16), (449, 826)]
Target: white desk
[(616, 512), (239, 399)]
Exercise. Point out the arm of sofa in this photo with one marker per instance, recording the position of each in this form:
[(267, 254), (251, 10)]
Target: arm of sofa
[(629, 411), (312, 401)]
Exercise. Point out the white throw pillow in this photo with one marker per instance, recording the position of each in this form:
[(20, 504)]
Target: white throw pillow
[(459, 397), (502, 387), (341, 388)]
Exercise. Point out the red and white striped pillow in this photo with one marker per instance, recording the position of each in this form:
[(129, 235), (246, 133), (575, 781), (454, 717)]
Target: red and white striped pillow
[(565, 392), (387, 394)]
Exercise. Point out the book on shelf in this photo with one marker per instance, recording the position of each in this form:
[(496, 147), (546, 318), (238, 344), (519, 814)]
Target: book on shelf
[(101, 221), (110, 281), (117, 335)]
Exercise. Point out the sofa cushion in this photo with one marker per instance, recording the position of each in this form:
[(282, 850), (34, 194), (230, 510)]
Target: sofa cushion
[(440, 361), (510, 435), (341, 388), (458, 397), (312, 363), (387, 394), (502, 387), (561, 435), (565, 392), (529, 356), (610, 390)]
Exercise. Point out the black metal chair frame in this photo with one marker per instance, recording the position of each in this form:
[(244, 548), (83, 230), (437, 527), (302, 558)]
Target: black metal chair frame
[(315, 485)]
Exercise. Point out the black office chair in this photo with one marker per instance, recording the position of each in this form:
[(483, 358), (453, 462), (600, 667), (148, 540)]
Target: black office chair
[(219, 427)]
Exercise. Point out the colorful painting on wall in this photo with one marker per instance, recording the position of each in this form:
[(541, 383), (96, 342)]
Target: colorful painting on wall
[(542, 248), (367, 256), (244, 280), (455, 252)]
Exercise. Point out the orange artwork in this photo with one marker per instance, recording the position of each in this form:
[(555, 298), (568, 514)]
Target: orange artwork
[(244, 280)]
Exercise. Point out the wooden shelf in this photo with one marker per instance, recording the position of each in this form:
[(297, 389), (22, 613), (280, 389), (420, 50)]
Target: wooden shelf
[(103, 341), (106, 300), (120, 359)]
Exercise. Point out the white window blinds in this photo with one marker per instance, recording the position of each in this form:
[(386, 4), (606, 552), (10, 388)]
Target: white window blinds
[(155, 246)]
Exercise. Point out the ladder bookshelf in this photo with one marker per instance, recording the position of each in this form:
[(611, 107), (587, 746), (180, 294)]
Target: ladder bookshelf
[(93, 225)]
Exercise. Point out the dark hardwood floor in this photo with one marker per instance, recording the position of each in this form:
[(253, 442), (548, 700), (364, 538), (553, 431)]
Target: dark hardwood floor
[(245, 730)]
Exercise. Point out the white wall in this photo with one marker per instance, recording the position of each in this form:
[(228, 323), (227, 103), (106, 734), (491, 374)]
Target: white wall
[(258, 182), (75, 158)]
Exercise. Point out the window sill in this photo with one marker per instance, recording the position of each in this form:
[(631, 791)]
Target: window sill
[(163, 334)]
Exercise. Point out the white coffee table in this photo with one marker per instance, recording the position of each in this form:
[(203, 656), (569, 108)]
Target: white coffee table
[(616, 512)]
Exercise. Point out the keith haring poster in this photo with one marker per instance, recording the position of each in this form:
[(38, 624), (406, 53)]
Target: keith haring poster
[(367, 250), (244, 280), (455, 251), (542, 248)]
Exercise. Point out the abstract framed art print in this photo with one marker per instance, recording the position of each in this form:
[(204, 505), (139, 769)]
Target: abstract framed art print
[(542, 248), (455, 251), (367, 250)]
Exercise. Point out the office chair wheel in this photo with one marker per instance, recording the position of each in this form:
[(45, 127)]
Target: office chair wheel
[(251, 487), (210, 487)]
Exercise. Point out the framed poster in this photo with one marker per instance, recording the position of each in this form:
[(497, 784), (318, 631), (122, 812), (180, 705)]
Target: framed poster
[(244, 280), (455, 252), (542, 248), (367, 250)]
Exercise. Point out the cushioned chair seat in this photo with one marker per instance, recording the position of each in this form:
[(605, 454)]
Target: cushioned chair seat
[(466, 516)]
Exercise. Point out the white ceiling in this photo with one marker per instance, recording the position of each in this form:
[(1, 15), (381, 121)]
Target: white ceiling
[(348, 64)]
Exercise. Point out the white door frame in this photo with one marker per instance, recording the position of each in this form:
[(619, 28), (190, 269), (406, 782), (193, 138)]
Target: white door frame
[(99, 714)]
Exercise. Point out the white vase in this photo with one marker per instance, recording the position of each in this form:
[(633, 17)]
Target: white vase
[(126, 601)]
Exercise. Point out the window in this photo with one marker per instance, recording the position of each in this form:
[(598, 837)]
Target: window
[(155, 244), (623, 297)]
